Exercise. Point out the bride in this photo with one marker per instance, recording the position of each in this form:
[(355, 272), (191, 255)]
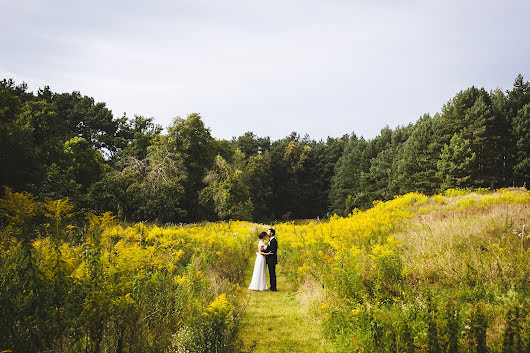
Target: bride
[(259, 278)]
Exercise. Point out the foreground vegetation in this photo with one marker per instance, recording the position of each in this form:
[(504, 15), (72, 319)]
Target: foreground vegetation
[(93, 285), (447, 273)]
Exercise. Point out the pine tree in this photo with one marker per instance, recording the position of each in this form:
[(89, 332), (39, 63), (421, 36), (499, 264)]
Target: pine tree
[(515, 100), (325, 156), (455, 167), (499, 106), (521, 128), (485, 130), (453, 118), (376, 181), (347, 178), (416, 165)]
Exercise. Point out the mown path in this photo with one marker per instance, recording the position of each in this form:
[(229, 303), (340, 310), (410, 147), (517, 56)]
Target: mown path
[(277, 322)]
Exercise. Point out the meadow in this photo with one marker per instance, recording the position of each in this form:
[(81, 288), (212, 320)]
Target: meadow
[(447, 273)]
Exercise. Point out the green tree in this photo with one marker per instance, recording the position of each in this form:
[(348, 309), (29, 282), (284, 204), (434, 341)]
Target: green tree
[(485, 130), (455, 167), (114, 193), (192, 141), (257, 175), (347, 179), (417, 161), (454, 117), (521, 127), (43, 131), (223, 148), (75, 169), (86, 163), (136, 136), (150, 189), (280, 204), (301, 172), (17, 161), (480, 118), (378, 183), (88, 119), (499, 103), (20, 90), (325, 157), (59, 182), (518, 96), (516, 99), (247, 143), (228, 189)]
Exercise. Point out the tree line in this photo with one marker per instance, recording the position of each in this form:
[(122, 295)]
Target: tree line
[(66, 145)]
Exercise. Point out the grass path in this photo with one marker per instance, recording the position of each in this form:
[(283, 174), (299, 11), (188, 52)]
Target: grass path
[(277, 322)]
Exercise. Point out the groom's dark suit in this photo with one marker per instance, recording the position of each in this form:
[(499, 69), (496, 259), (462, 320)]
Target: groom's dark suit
[(272, 260)]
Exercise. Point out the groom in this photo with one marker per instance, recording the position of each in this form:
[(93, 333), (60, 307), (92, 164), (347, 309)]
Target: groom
[(272, 259)]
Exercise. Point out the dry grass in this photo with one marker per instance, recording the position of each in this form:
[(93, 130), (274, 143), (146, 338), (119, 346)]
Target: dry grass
[(459, 250), (445, 245), (311, 295)]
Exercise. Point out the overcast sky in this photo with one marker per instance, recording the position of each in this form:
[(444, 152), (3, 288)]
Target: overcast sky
[(324, 68)]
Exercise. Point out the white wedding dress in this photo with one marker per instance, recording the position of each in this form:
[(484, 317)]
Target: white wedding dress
[(259, 277)]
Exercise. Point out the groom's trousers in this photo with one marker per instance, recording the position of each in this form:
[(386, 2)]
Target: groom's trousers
[(272, 275)]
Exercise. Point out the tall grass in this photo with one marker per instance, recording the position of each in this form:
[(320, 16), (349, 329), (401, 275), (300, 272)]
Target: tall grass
[(448, 273)]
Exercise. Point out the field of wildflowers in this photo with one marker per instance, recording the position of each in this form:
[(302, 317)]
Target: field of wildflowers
[(447, 273), (98, 286)]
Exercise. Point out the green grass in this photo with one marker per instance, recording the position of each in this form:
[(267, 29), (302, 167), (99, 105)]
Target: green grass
[(278, 322)]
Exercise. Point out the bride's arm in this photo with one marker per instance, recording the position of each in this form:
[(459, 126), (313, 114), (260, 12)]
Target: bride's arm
[(262, 249)]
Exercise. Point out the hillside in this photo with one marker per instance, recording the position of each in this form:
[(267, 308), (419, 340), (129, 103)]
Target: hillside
[(441, 274)]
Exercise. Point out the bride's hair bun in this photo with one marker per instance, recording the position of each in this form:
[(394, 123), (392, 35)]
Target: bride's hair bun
[(262, 235)]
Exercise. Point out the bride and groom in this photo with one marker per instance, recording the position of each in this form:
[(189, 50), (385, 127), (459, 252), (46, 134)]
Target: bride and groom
[(267, 254)]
